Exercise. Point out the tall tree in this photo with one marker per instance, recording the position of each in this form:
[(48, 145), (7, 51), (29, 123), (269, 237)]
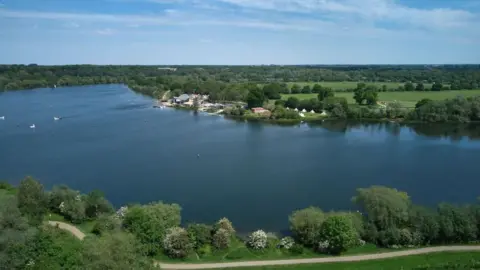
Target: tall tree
[(32, 200), (255, 97), (325, 93)]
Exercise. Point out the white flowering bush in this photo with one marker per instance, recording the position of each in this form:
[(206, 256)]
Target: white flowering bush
[(258, 240), (121, 212), (177, 243), (323, 246), (225, 224), (361, 242), (62, 207), (286, 242)]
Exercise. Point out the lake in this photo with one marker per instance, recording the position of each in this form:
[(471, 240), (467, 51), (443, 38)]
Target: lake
[(111, 139)]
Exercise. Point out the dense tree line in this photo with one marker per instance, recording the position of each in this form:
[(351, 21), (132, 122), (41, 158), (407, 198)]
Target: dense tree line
[(125, 238), (227, 82)]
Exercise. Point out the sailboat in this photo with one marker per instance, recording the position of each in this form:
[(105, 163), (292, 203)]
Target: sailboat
[(32, 126)]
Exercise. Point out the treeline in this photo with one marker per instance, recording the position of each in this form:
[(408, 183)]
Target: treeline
[(218, 79), (124, 239)]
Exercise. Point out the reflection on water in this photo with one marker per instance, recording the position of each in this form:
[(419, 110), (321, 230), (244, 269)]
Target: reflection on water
[(452, 132)]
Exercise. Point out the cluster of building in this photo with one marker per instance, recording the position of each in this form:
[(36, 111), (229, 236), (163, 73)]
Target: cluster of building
[(202, 101)]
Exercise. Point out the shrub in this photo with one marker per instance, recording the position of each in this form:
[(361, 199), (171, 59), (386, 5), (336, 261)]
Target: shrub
[(257, 240), (177, 243), (121, 212), (225, 224), (200, 234), (339, 233), (305, 225), (221, 239), (286, 242), (323, 246), (105, 224), (296, 249)]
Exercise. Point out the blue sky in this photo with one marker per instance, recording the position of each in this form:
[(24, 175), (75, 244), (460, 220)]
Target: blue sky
[(239, 31)]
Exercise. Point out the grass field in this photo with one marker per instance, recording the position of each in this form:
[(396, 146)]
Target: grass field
[(438, 261), (352, 85), (407, 99)]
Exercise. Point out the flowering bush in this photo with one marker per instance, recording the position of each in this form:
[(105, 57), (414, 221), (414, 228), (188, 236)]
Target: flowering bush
[(287, 242), (177, 243), (225, 224), (361, 242), (258, 240), (221, 239), (323, 246), (122, 212)]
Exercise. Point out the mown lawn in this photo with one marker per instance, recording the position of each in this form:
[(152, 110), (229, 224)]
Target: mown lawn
[(438, 261), (407, 99)]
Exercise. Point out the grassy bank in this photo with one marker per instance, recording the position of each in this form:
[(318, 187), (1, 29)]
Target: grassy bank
[(438, 261), (407, 99)]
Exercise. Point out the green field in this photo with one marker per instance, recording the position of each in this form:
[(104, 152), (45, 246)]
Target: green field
[(352, 85), (407, 99), (437, 261)]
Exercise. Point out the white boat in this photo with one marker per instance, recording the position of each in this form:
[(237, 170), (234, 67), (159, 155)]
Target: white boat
[(32, 126), (56, 118), (2, 117)]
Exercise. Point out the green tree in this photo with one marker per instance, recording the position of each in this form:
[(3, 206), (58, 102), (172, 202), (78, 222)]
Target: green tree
[(325, 93), (317, 88), (437, 87), (425, 222), (200, 234), (456, 224), (149, 223), (96, 204), (272, 91), (306, 89), (292, 102), (15, 235), (385, 207), (305, 225), (419, 87), (32, 200), (295, 89), (422, 102), (255, 97), (106, 224), (409, 86), (339, 232)]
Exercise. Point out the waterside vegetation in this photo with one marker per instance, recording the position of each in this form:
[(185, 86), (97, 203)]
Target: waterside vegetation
[(324, 92), (137, 234)]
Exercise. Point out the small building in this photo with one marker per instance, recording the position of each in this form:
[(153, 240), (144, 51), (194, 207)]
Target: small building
[(259, 110), (182, 99)]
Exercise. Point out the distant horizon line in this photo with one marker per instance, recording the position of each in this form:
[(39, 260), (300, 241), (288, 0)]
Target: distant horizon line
[(237, 65)]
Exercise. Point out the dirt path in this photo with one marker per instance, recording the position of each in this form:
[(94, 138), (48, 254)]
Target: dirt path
[(355, 258), (64, 226), (376, 256)]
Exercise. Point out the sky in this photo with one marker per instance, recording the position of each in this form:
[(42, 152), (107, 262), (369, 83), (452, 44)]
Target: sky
[(239, 32)]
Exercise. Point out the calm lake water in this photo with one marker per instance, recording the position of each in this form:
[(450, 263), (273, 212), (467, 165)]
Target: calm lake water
[(113, 140)]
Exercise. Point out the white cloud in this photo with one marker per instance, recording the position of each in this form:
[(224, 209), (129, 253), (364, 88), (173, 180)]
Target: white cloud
[(372, 10), (72, 25), (106, 31)]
